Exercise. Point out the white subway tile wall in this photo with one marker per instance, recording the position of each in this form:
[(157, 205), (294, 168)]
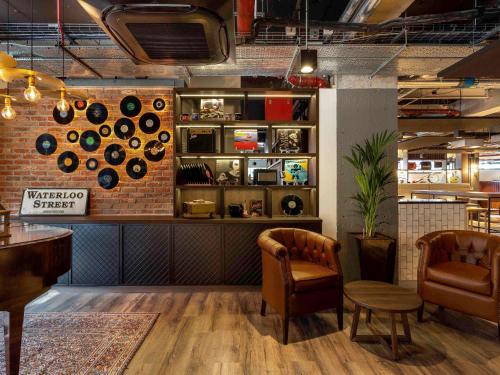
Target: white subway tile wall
[(417, 219)]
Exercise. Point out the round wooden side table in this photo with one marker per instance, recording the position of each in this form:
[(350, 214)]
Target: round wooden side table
[(382, 297)]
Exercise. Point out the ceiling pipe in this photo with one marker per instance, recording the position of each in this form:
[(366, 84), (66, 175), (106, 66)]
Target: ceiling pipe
[(371, 28)]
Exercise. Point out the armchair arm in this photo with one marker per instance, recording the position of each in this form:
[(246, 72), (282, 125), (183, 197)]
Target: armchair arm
[(432, 251), (331, 249), (272, 246), (495, 273)]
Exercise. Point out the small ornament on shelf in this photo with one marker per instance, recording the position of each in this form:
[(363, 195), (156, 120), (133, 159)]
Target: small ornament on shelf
[(4, 222)]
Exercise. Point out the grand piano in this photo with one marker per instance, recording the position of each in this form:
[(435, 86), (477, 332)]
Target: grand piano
[(31, 260)]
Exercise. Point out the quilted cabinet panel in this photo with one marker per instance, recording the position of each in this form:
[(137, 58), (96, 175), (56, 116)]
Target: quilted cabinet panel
[(96, 254), (198, 254), (146, 254)]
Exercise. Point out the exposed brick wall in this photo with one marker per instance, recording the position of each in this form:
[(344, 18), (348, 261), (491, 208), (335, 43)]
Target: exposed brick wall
[(21, 166)]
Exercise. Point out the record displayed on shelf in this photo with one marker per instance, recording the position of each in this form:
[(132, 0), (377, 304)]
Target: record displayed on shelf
[(149, 123), (292, 205), (63, 117), (154, 151), (114, 154), (134, 143), (130, 106), (90, 140), (194, 173), (80, 105), (46, 144), (68, 161), (72, 136), (108, 178), (124, 128), (164, 136), (92, 164), (137, 168), (97, 113), (105, 130), (159, 104)]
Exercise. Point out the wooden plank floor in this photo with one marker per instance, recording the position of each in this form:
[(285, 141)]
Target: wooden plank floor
[(218, 330)]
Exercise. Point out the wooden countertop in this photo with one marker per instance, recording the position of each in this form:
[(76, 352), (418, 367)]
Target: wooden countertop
[(468, 194), (23, 234), (152, 219)]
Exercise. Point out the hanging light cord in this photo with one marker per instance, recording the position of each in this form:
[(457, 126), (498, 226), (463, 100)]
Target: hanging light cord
[(31, 43), (307, 20), (8, 37), (60, 17)]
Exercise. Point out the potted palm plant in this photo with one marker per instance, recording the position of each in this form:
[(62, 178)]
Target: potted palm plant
[(377, 252)]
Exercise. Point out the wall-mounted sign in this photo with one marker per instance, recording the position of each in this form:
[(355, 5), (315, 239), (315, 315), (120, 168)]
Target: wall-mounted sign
[(54, 202)]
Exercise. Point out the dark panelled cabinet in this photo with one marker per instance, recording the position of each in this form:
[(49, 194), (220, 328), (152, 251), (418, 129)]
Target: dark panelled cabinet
[(63, 279), (96, 254), (198, 254), (146, 254)]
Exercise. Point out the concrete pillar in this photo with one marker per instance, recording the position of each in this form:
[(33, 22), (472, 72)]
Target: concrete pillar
[(357, 108)]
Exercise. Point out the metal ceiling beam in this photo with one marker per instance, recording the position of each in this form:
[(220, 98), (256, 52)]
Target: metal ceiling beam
[(81, 62), (432, 124)]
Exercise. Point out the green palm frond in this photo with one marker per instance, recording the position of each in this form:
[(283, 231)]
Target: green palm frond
[(372, 175)]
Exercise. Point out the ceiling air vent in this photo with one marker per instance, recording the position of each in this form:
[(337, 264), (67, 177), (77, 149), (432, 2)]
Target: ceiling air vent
[(176, 33)]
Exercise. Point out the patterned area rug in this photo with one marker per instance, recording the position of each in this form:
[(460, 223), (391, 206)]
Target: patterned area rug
[(80, 343)]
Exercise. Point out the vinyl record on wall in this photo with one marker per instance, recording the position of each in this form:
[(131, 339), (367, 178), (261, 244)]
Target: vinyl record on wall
[(68, 161), (159, 104), (154, 151), (114, 154), (134, 143), (292, 205), (97, 113), (63, 117), (90, 140), (149, 123), (164, 136), (72, 136), (124, 128), (137, 168), (130, 106), (92, 164), (46, 144), (80, 105), (108, 178), (105, 130)]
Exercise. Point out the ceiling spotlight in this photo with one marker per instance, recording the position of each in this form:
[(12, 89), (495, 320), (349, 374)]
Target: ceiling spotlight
[(31, 93), (62, 104), (308, 60), (8, 112)]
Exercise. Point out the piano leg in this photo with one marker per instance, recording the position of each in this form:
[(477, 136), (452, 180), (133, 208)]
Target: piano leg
[(12, 336)]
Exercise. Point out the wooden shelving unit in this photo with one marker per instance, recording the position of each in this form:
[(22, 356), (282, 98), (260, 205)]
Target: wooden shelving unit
[(187, 101)]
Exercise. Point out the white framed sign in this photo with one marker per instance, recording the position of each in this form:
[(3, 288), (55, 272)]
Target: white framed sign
[(54, 202)]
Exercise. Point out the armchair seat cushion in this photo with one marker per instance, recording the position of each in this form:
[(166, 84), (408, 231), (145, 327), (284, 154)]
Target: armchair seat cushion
[(460, 275), (308, 276)]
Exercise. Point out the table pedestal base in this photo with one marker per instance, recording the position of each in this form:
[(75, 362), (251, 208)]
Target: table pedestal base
[(389, 342)]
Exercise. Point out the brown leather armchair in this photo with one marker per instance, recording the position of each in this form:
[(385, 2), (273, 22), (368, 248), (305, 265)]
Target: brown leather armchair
[(460, 270), (301, 274)]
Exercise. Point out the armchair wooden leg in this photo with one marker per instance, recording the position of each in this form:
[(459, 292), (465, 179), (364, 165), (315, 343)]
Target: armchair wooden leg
[(420, 313), (286, 323), (340, 317), (263, 308)]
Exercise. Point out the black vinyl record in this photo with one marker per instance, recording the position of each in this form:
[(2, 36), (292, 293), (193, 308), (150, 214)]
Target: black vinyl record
[(46, 144), (164, 136), (90, 140), (154, 151), (292, 205), (159, 104), (80, 105), (149, 123), (124, 128), (63, 118), (134, 143), (137, 168), (114, 154), (92, 164), (68, 161), (105, 130), (130, 106), (108, 178), (72, 136), (97, 113)]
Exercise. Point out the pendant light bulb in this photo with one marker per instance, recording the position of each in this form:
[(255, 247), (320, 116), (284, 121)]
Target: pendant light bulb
[(62, 104), (8, 112), (31, 93)]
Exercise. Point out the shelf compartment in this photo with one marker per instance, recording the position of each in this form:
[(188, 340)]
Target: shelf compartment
[(239, 196), (308, 197)]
